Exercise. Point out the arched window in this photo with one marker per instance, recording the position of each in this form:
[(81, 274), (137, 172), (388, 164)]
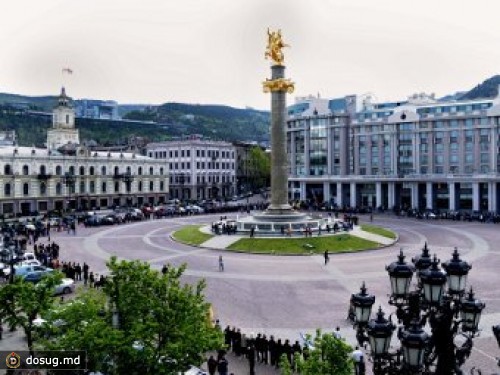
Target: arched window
[(151, 185), (26, 189), (161, 171), (43, 170), (7, 170), (58, 170), (151, 170), (139, 171), (26, 170), (72, 170), (58, 189), (103, 170), (91, 171), (7, 190), (43, 188), (117, 170), (129, 170), (139, 187), (103, 187), (117, 187), (162, 185), (82, 171)]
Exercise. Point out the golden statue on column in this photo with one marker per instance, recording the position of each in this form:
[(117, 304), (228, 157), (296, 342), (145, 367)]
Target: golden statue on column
[(274, 52)]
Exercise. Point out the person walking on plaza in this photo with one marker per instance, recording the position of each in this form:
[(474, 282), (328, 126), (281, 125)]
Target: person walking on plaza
[(327, 257), (222, 366), (212, 365), (357, 357), (221, 264), (251, 358)]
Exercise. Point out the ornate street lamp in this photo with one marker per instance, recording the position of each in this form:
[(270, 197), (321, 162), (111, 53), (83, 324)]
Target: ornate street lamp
[(457, 271), (433, 280), (429, 318), (380, 332), (422, 261), (414, 341), (471, 312), (362, 303), (400, 274)]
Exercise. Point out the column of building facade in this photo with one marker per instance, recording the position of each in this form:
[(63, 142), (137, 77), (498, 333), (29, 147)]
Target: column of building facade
[(339, 199), (475, 196), (391, 194), (329, 149), (452, 198), (302, 190), (477, 151), (414, 194), (429, 200), (326, 191), (461, 147), (493, 145), (353, 196), (307, 140), (492, 197), (378, 194)]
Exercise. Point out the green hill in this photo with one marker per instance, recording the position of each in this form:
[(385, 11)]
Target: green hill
[(487, 89)]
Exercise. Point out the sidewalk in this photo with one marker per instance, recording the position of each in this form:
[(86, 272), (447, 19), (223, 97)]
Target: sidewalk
[(239, 366)]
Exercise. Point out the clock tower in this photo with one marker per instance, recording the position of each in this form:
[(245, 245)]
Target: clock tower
[(63, 124)]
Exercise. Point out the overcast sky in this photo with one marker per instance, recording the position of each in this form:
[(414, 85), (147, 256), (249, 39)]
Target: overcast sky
[(200, 51)]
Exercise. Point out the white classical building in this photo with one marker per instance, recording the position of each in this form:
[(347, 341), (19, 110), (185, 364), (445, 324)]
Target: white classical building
[(200, 169), (66, 175)]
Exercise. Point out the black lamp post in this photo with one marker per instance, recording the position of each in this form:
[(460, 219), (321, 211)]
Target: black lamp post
[(429, 318), (69, 180)]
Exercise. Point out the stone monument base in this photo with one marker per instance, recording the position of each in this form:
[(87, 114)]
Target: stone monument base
[(272, 221)]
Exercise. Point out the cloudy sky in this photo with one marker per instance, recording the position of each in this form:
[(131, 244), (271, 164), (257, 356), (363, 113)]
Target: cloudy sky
[(200, 51)]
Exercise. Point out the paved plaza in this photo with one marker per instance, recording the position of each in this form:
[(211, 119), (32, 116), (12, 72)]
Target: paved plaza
[(289, 295)]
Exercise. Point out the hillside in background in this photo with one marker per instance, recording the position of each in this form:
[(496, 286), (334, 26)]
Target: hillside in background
[(487, 89), (156, 123)]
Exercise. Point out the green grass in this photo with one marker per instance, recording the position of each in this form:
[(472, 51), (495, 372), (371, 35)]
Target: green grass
[(378, 230), (334, 244), (191, 235)]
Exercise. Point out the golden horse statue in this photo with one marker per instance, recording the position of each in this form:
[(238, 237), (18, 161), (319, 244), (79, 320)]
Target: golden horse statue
[(274, 47)]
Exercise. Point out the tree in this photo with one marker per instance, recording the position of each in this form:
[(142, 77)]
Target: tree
[(142, 322), (23, 302), (259, 167), (330, 356)]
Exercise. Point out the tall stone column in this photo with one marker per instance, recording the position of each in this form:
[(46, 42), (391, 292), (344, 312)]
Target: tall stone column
[(279, 160)]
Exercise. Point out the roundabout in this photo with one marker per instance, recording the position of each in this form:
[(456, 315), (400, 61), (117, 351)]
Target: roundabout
[(286, 296)]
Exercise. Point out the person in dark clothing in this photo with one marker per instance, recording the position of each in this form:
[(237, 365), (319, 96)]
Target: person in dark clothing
[(227, 337), (264, 350), (327, 257), (237, 343), (91, 280), (251, 358), (222, 366), (164, 269), (287, 350), (78, 272), (272, 350), (278, 352), (212, 365), (296, 351)]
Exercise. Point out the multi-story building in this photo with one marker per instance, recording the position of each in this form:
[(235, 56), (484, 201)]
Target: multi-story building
[(66, 175), (418, 153), (199, 169), (247, 175), (98, 109)]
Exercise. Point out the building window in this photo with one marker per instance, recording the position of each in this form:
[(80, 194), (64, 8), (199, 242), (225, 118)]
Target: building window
[(26, 189), (82, 186), (58, 170), (91, 171), (139, 187), (92, 187), (103, 187), (43, 170), (26, 170), (67, 119), (129, 170), (151, 185), (117, 187), (7, 170), (139, 171), (103, 170), (151, 172), (161, 171), (162, 185), (82, 171), (117, 171), (58, 189), (72, 170), (7, 190), (43, 188)]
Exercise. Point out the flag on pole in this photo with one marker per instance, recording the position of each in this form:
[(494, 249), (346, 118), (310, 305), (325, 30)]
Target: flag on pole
[(67, 70)]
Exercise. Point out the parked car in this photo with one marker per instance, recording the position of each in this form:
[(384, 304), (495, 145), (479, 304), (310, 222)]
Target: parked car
[(37, 275), (92, 221), (27, 269), (108, 220), (65, 287)]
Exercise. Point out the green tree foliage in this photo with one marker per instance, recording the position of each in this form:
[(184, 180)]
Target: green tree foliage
[(22, 302), (161, 325), (330, 356), (260, 166)]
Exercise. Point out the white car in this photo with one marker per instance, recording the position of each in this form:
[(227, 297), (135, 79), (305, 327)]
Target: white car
[(24, 270), (65, 287), (26, 257)]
